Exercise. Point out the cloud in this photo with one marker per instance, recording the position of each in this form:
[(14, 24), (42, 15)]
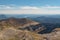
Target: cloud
[(29, 9), (48, 6), (17, 7), (8, 7), (4, 7), (52, 7)]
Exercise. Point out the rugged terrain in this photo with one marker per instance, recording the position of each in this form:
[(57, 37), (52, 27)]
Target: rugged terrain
[(26, 29), (13, 34)]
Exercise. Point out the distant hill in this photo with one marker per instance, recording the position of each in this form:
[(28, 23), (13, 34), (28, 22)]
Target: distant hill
[(2, 16), (45, 19)]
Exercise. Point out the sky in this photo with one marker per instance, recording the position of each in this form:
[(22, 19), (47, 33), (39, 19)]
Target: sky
[(29, 6)]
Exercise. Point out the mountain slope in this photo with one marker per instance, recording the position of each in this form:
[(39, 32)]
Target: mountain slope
[(54, 35), (22, 23), (13, 34)]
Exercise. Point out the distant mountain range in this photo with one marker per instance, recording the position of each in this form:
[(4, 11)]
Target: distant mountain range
[(39, 18)]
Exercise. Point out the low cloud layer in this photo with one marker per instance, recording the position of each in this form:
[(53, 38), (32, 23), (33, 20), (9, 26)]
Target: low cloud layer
[(5, 9)]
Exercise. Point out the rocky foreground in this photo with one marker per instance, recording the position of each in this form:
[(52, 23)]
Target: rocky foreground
[(13, 34), (25, 29)]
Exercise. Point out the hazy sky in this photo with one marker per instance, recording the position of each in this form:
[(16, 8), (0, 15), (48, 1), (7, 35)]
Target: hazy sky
[(29, 6)]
